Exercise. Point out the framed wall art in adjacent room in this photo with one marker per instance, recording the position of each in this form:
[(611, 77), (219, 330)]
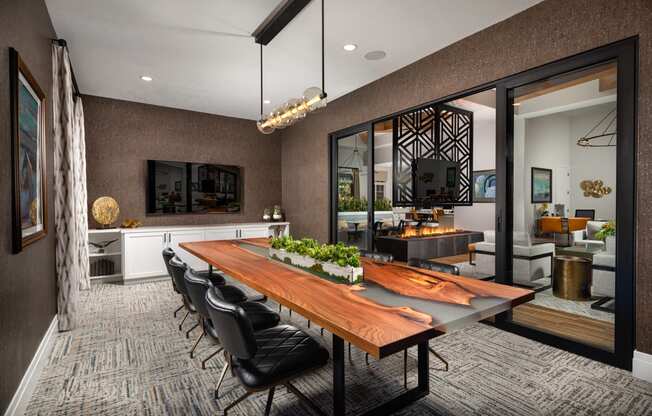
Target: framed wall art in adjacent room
[(29, 209), (541, 185)]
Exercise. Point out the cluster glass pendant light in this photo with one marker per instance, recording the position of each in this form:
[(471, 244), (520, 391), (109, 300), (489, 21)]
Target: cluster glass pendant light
[(294, 109)]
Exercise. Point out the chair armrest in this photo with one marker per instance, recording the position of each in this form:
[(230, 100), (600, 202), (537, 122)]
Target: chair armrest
[(578, 235)]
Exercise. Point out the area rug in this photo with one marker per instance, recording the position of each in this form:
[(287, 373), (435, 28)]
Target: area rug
[(127, 357)]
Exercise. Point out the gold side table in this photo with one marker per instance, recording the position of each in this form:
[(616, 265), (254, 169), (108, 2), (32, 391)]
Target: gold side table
[(572, 278)]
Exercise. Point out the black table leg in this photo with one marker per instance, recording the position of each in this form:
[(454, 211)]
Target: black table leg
[(412, 395), (423, 367), (339, 407)]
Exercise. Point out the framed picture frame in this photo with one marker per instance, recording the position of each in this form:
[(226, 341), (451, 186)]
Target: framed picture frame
[(484, 186), (28, 147), (541, 185)]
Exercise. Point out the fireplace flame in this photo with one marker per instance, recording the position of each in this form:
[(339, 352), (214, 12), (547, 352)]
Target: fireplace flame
[(412, 231)]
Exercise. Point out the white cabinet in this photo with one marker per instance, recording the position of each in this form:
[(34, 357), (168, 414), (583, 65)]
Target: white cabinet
[(187, 236), (254, 231), (142, 254), (141, 248), (222, 233)]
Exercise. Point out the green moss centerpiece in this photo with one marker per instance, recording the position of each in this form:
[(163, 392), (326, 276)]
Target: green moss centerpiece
[(338, 260)]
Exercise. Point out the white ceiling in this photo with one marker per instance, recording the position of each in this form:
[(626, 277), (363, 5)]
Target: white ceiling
[(201, 56)]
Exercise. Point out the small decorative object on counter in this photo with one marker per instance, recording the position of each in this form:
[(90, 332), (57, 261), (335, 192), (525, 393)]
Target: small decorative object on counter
[(131, 223), (266, 215), (278, 214), (105, 211), (337, 260), (101, 246)]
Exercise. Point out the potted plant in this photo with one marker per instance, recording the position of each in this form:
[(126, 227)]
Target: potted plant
[(338, 260), (608, 235)]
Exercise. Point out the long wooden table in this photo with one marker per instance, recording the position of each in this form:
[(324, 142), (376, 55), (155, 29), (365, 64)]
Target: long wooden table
[(396, 307)]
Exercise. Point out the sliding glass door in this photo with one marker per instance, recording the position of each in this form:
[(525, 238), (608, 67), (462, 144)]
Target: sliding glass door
[(567, 206), (538, 192)]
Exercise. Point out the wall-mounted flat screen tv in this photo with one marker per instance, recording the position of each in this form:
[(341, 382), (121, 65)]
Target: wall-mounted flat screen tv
[(436, 182), (186, 187)]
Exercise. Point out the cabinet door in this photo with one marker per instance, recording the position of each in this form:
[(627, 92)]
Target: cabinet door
[(222, 233), (256, 231), (187, 236), (142, 255)]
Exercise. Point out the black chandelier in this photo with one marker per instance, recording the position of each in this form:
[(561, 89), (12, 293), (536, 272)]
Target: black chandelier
[(599, 140)]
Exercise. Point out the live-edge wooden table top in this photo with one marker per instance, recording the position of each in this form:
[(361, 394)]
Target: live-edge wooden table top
[(396, 306)]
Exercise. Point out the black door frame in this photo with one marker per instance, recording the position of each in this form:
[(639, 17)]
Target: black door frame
[(625, 52)]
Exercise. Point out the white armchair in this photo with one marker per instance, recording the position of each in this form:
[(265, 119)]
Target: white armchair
[(531, 262), (587, 236)]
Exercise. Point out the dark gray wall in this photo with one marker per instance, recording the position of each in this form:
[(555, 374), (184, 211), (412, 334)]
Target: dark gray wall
[(27, 280), (551, 30), (121, 136)]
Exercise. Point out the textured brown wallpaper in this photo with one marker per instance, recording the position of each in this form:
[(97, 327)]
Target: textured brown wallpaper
[(27, 280), (548, 31), (121, 136)]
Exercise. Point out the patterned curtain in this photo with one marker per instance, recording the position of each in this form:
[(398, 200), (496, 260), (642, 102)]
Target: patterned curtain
[(71, 223)]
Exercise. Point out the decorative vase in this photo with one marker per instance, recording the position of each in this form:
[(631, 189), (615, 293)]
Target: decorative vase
[(277, 214), (610, 243)]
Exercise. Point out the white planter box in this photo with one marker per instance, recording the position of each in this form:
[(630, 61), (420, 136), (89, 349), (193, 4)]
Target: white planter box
[(349, 273)]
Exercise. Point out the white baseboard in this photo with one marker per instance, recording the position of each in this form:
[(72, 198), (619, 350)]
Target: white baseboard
[(642, 366), (23, 394)]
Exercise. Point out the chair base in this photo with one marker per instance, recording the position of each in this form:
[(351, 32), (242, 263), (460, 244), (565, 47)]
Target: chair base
[(205, 360), (270, 397), (177, 311)]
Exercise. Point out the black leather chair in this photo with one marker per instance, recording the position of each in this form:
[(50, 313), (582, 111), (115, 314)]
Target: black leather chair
[(178, 269), (434, 266), (168, 254), (261, 316), (265, 359), (376, 256), (585, 213)]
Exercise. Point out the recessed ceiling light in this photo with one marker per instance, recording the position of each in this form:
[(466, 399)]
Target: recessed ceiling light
[(146, 78), (266, 101), (375, 55), (349, 47)]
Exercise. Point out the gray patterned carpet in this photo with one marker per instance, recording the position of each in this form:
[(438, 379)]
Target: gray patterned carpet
[(128, 358)]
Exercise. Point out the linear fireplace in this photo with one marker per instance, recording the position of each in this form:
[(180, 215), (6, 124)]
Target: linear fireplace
[(427, 242)]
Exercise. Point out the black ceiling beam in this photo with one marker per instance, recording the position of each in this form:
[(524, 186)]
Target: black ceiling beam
[(278, 19)]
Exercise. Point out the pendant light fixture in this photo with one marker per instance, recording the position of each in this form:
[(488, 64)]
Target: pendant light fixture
[(599, 140), (354, 160), (294, 109)]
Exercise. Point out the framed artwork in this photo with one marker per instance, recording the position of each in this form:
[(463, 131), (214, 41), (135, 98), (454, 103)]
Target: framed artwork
[(29, 208), (541, 185), (484, 186)]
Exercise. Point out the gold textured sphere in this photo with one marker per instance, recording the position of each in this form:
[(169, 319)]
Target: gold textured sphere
[(105, 210)]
